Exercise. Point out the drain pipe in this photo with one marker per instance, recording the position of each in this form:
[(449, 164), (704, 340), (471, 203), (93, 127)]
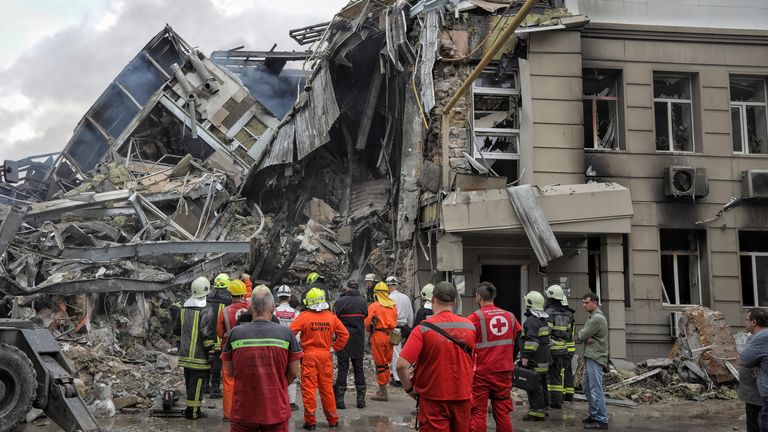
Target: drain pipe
[(502, 39)]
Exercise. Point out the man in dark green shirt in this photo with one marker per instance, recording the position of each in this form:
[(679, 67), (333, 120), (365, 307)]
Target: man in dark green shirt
[(594, 335)]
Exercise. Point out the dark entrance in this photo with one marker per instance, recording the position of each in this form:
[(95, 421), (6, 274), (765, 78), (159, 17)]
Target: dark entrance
[(506, 279)]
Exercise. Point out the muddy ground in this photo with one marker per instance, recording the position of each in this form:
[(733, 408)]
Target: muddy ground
[(710, 415)]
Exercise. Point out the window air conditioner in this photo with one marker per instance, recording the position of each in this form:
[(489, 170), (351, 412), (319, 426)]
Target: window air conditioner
[(674, 324), (685, 181), (754, 184)]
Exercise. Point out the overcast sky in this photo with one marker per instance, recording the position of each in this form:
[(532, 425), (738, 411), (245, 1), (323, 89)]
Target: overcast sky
[(58, 56)]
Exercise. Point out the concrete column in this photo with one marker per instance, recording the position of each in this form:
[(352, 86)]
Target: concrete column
[(612, 290)]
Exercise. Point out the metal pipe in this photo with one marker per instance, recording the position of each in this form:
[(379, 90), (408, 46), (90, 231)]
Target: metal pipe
[(184, 82), (209, 82), (509, 31)]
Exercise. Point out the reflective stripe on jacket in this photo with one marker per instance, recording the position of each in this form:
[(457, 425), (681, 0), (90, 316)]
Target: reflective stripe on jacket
[(197, 336), (536, 342), (561, 325)]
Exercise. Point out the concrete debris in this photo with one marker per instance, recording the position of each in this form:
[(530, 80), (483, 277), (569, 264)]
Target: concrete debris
[(706, 334)]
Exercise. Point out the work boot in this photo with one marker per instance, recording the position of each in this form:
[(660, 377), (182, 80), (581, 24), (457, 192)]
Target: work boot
[(338, 392), (360, 396), (589, 419), (308, 426), (596, 425), (294, 407), (215, 393), (381, 394)]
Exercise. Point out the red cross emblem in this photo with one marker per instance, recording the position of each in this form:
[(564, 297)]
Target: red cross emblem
[(499, 325)]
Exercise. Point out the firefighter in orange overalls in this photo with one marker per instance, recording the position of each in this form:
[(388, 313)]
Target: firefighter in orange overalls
[(226, 321), (381, 320), (317, 326)]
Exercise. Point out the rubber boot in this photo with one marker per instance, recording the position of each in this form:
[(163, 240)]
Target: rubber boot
[(339, 393), (381, 394), (360, 396)]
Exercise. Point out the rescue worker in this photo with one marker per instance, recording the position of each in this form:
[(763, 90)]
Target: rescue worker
[(352, 309), (285, 314), (317, 326), (495, 333), (263, 357), (246, 278), (381, 321), (218, 299), (227, 319), (315, 280), (196, 328), (561, 325), (440, 350), (370, 282), (570, 346), (404, 323), (535, 353), (425, 311)]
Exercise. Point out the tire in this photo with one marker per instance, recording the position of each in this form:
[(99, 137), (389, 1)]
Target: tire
[(18, 386)]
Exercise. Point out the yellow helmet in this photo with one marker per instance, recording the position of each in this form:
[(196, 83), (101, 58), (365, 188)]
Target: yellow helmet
[(381, 287), (221, 281), (534, 301), (314, 277), (315, 299), (555, 292), (237, 288)]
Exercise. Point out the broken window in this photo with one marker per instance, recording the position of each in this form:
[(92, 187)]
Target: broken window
[(749, 125), (496, 115), (753, 256), (601, 109), (673, 111), (680, 266)]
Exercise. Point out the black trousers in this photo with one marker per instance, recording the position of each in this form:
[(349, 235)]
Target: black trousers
[(215, 380), (357, 369), (555, 380), (753, 413), (568, 378), (537, 398), (195, 379)]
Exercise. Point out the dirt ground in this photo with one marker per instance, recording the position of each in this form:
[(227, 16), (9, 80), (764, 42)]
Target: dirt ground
[(710, 415)]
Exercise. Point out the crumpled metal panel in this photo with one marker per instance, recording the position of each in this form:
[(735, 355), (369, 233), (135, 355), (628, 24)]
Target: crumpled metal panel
[(315, 118), (429, 41), (282, 146), (535, 223)]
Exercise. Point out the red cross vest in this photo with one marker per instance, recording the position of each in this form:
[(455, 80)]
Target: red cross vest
[(495, 335)]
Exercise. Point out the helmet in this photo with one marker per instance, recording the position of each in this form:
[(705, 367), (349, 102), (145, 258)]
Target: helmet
[(380, 287), (426, 292), (200, 287), (555, 292), (534, 301), (283, 291), (237, 288), (392, 280), (564, 301), (221, 281), (314, 277), (314, 297), (370, 277)]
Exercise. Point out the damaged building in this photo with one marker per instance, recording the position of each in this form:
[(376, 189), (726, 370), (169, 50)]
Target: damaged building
[(616, 149)]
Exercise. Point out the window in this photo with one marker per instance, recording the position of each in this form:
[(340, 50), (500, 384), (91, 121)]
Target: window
[(680, 267), (496, 118), (749, 125), (673, 111), (601, 109), (753, 257)]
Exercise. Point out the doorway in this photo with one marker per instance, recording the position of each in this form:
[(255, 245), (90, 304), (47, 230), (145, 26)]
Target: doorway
[(506, 279)]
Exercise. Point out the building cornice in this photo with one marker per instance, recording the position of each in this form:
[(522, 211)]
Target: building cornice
[(674, 34)]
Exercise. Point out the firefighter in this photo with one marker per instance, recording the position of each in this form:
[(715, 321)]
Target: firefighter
[(226, 320), (317, 326), (404, 323), (381, 321), (561, 325), (535, 353), (370, 282), (196, 328), (217, 300), (285, 313), (352, 309), (246, 278), (570, 345), (495, 333), (425, 311), (315, 280)]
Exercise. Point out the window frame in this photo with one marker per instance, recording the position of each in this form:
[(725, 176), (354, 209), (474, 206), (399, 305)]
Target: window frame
[(669, 102), (675, 254), (742, 107), (505, 132), (594, 99), (753, 255)]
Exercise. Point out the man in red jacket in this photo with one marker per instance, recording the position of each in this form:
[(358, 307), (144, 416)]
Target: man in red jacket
[(440, 348), (495, 333)]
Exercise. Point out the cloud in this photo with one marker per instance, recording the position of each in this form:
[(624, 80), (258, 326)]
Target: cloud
[(58, 78)]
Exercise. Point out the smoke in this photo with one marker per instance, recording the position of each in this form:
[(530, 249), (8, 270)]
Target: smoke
[(63, 74), (276, 92)]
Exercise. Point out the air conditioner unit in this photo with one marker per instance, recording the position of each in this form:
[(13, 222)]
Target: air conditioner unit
[(754, 184), (685, 181), (674, 324)]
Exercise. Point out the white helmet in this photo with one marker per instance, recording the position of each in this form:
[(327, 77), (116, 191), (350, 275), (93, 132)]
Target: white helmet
[(283, 291), (370, 277), (555, 292), (426, 292), (200, 287)]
